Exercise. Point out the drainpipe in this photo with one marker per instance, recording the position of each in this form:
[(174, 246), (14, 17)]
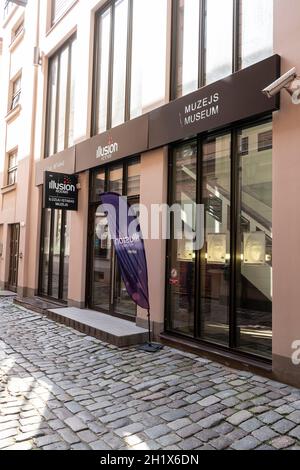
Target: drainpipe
[(31, 188)]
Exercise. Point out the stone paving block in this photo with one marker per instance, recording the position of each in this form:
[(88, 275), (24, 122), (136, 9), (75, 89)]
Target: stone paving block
[(295, 433), (75, 424), (190, 444), (157, 431), (247, 443), (47, 440), (179, 424), (189, 431), (264, 434), (295, 417), (283, 426), (251, 425), (270, 417), (211, 421), (282, 442), (239, 418)]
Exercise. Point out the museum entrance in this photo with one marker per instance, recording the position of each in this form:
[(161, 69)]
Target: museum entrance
[(106, 291), (55, 255), (222, 294)]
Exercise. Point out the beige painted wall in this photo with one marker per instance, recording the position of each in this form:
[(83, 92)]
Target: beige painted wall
[(154, 179), (286, 198)]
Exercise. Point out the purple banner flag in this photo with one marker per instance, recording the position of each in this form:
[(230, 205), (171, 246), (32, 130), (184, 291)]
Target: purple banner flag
[(127, 237)]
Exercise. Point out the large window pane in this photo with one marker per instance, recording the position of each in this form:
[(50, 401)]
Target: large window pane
[(219, 39), (256, 24), (119, 66), (187, 47), (62, 105), (61, 89), (103, 70), (148, 72), (52, 91), (254, 277), (181, 274), (215, 258)]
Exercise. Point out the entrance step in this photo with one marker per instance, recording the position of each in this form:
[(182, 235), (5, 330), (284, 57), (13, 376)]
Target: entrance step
[(36, 304), (112, 330), (7, 293)]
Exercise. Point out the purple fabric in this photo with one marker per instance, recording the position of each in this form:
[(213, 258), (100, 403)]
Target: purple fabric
[(129, 245)]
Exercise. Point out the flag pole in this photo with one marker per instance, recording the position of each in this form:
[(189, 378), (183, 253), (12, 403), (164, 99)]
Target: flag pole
[(150, 347)]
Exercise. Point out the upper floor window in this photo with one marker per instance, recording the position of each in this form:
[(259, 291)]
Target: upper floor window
[(256, 31), (17, 30), (58, 8), (130, 60), (214, 38), (12, 168), (15, 92), (60, 101)]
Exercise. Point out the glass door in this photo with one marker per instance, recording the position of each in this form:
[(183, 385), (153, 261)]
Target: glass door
[(106, 290), (14, 257), (55, 253)]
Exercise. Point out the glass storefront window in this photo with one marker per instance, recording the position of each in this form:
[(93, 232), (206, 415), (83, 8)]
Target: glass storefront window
[(256, 31), (60, 101), (116, 180), (181, 275), (219, 39), (223, 293), (215, 258), (254, 276), (133, 179), (55, 253), (107, 292)]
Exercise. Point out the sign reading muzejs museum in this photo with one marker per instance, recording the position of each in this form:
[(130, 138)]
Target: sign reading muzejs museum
[(228, 101), (60, 191)]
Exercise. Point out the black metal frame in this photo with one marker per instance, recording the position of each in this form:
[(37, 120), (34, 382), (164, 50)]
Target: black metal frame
[(57, 55), (14, 235), (234, 226), (91, 223), (96, 75), (49, 295), (236, 46)]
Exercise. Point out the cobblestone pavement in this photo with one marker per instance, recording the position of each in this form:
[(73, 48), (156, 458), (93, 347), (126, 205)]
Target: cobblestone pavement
[(60, 389)]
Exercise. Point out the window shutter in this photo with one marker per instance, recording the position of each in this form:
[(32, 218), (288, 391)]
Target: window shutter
[(59, 7)]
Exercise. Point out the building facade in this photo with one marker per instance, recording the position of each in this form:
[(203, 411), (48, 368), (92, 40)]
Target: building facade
[(160, 101)]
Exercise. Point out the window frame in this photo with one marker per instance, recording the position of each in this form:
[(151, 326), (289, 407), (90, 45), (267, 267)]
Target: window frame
[(12, 170), (57, 56), (96, 76), (15, 97)]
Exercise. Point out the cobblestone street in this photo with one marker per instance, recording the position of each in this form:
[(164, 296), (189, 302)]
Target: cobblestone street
[(63, 390)]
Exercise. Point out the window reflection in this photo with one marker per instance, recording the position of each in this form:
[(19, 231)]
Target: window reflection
[(215, 258), (181, 275), (187, 54), (148, 72), (103, 70), (219, 39), (254, 288), (256, 24), (120, 51)]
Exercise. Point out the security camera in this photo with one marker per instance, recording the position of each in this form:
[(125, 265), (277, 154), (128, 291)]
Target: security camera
[(283, 82)]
